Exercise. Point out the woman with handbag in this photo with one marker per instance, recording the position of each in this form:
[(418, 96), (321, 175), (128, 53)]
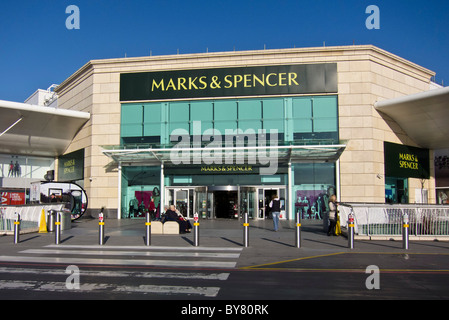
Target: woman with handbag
[(332, 215)]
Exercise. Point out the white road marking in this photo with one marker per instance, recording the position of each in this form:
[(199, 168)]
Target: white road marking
[(104, 247), (137, 262), (121, 274), (135, 253), (91, 287)]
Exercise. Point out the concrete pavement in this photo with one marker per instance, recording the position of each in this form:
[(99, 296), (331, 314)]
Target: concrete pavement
[(267, 249)]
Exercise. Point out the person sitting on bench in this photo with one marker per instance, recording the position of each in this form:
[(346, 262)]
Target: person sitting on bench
[(173, 215)]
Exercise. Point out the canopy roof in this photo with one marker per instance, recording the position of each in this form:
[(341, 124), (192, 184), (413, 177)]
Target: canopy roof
[(294, 153), (36, 130), (423, 116)]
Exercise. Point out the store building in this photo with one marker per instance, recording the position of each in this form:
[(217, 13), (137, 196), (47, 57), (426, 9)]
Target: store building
[(33, 135), (220, 133)]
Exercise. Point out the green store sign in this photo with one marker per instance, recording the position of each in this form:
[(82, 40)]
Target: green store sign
[(71, 166), (406, 162), (229, 82)]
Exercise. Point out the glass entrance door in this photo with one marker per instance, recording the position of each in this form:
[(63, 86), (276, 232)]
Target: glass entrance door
[(247, 201), (183, 199), (264, 196), (201, 203)]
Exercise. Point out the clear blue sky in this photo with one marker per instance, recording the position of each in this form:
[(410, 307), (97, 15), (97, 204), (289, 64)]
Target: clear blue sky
[(37, 50)]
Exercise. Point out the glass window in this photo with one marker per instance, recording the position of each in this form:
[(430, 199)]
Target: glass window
[(131, 120), (325, 114), (273, 125), (202, 111), (396, 190), (179, 112), (139, 186), (225, 110), (273, 109), (314, 119), (250, 124), (249, 109), (313, 184), (179, 115), (222, 126), (131, 113)]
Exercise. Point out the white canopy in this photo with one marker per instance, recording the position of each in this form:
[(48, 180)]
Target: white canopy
[(423, 116), (36, 130)]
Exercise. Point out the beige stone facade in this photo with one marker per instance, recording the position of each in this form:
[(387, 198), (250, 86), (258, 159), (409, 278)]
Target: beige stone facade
[(366, 74)]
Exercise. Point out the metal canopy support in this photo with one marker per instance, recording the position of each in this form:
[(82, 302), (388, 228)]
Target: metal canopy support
[(162, 191), (290, 191), (119, 191)]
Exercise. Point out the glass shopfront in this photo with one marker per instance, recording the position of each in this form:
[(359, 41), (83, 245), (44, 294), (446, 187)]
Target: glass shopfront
[(16, 175), (268, 115), (229, 196)]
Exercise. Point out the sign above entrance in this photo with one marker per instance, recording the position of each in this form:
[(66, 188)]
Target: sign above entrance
[(406, 162), (227, 82)]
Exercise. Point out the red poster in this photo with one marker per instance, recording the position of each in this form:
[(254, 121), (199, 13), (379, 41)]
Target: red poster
[(13, 198), (4, 199)]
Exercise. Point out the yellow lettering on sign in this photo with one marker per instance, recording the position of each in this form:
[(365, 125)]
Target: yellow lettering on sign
[(292, 78), (171, 84), (273, 79), (228, 81), (203, 83), (260, 81), (157, 85), (408, 161), (192, 83), (268, 79), (237, 79), (282, 78), (181, 83)]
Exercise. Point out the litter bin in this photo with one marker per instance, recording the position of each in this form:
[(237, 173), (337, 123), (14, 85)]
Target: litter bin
[(51, 218)]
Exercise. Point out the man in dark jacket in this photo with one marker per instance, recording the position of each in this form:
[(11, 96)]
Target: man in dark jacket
[(275, 206), (172, 215)]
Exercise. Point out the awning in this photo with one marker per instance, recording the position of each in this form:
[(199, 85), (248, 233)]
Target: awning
[(423, 116), (36, 130), (261, 155)]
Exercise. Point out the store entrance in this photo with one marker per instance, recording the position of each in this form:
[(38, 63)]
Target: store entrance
[(225, 204), (266, 195)]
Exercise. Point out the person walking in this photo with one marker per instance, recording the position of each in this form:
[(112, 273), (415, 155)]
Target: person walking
[(332, 215), (275, 206)]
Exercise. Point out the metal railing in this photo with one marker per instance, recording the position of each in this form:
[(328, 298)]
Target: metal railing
[(7, 224), (29, 217), (386, 219)]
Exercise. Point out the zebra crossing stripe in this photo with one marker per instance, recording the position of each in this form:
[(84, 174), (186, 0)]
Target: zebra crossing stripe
[(135, 253), (121, 262), (99, 287), (164, 248), (123, 274)]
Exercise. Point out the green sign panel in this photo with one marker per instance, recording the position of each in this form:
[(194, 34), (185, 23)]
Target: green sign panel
[(71, 166), (406, 162), (229, 82)]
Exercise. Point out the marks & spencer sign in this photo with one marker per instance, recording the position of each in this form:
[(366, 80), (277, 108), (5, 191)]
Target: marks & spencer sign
[(406, 162), (227, 82)]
